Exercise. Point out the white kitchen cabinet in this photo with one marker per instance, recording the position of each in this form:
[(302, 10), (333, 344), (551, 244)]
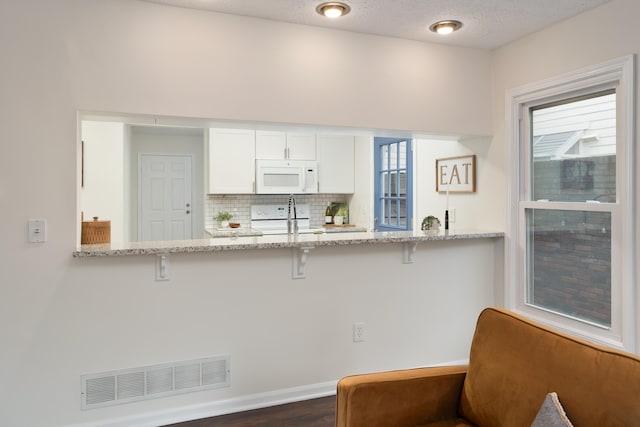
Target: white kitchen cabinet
[(271, 144), (336, 160), (301, 146), (231, 161), (277, 145)]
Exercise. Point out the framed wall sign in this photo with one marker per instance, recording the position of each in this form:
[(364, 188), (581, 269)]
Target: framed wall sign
[(456, 174)]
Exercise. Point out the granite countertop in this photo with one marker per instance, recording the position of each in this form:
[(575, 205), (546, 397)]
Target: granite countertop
[(232, 232), (241, 231), (235, 243), (344, 229)]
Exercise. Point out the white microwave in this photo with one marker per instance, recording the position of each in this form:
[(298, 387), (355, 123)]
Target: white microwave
[(286, 176)]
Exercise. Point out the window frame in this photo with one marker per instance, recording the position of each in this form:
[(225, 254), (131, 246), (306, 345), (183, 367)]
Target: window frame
[(378, 212), (616, 74)]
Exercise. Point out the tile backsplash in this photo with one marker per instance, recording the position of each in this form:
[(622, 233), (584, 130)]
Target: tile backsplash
[(240, 205)]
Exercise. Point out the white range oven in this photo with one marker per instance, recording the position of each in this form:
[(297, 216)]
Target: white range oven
[(272, 219)]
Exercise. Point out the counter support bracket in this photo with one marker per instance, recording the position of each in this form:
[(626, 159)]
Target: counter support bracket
[(408, 251), (300, 261), (162, 267)]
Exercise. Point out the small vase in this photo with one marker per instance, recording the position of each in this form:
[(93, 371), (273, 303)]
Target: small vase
[(434, 229), (223, 224)]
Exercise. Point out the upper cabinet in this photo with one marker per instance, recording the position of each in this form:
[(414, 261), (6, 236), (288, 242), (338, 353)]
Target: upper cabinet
[(231, 161), (233, 154), (285, 145), (301, 146), (271, 144), (336, 162)]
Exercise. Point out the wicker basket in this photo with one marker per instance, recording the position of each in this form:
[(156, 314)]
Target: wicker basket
[(95, 232)]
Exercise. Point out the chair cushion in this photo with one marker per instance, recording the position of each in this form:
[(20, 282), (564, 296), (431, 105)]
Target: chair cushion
[(551, 413)]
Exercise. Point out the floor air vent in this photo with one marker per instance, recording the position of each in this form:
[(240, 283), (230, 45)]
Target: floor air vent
[(129, 385)]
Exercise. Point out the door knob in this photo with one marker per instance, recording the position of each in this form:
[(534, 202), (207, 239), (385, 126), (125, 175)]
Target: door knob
[(188, 204), (188, 212)]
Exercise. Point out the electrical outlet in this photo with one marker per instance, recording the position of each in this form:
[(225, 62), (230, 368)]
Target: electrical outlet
[(452, 215), (358, 332)]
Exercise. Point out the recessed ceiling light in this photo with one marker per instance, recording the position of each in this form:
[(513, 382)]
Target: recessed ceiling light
[(333, 9), (446, 27)]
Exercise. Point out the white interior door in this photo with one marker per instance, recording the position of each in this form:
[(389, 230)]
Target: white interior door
[(164, 197)]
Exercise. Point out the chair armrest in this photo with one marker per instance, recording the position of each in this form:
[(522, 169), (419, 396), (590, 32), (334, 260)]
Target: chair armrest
[(399, 398)]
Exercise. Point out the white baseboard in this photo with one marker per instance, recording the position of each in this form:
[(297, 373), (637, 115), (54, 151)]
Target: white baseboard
[(220, 407), (229, 406), (453, 363)]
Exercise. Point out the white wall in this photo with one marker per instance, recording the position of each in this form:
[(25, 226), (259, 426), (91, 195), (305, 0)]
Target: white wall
[(62, 317), (361, 205), (103, 192), (568, 46), (156, 59), (469, 211)]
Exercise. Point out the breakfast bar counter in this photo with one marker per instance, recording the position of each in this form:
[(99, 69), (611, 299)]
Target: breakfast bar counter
[(239, 243)]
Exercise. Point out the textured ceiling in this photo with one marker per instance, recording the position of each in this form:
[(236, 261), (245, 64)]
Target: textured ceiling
[(487, 23)]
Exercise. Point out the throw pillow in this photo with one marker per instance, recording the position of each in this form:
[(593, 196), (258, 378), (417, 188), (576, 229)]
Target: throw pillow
[(551, 413)]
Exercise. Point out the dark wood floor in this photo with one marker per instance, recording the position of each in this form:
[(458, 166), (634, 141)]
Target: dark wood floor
[(309, 413)]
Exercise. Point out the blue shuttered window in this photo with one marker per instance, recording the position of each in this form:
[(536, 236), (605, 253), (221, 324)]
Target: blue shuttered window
[(393, 184)]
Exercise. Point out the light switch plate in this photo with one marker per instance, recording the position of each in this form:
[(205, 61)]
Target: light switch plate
[(37, 230)]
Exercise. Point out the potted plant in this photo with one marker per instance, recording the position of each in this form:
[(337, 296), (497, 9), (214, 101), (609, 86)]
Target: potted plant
[(340, 213), (430, 224), (223, 218)]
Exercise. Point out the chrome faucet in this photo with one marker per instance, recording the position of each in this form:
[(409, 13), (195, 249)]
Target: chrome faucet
[(292, 226)]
